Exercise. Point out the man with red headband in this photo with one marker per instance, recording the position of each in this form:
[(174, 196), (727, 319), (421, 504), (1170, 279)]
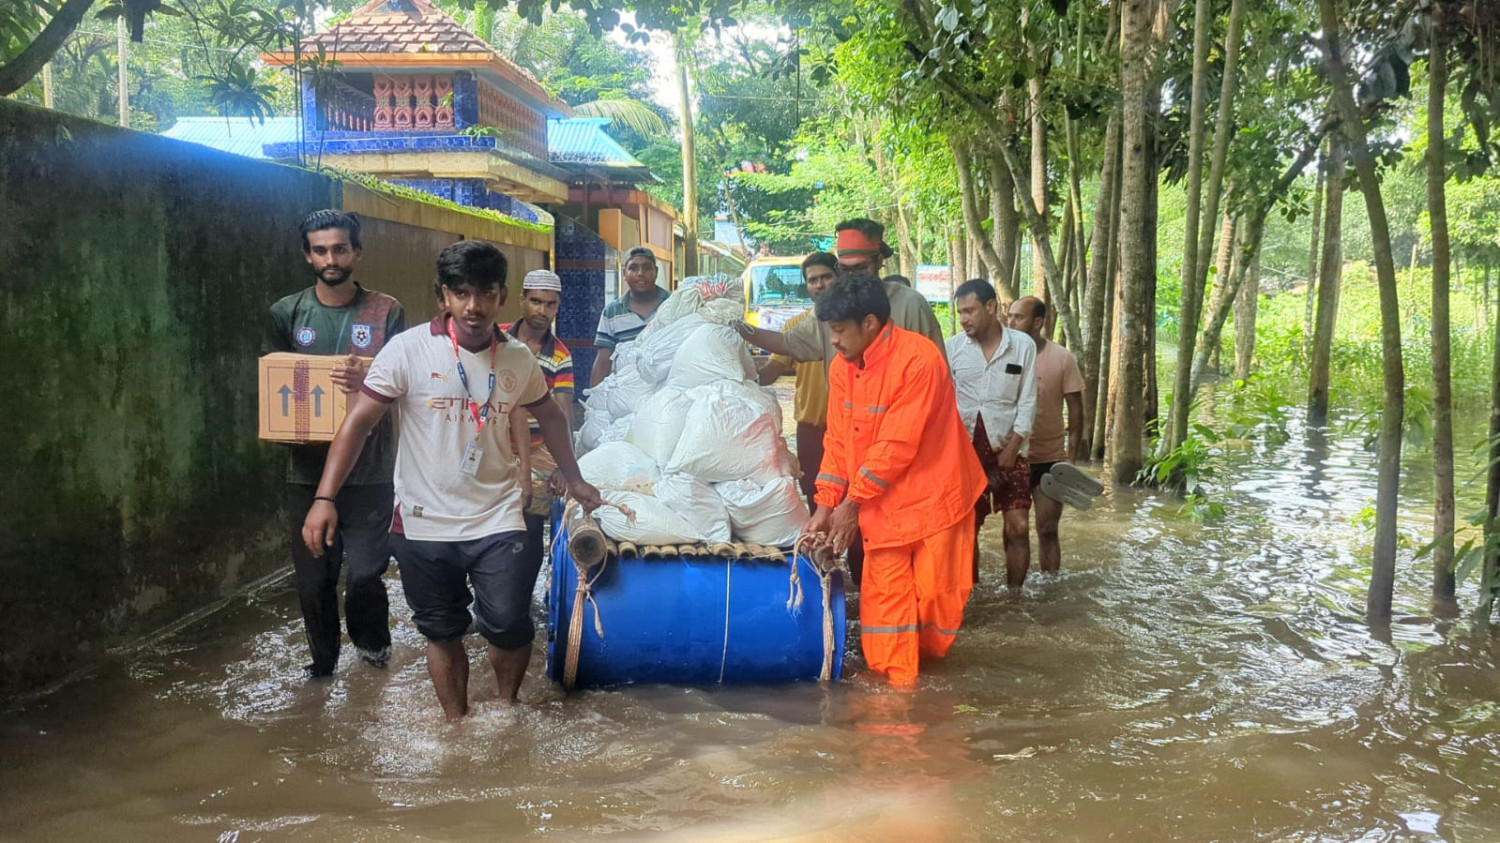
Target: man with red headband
[(860, 246)]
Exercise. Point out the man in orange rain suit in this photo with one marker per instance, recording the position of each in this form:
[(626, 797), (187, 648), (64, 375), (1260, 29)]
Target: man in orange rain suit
[(898, 466)]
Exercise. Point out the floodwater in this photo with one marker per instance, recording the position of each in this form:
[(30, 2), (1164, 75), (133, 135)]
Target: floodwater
[(1176, 681)]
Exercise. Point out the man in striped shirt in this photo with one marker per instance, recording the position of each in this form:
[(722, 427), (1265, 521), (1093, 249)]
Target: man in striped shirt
[(541, 291), (624, 318)]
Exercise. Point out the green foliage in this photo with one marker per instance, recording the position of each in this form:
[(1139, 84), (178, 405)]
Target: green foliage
[(383, 186), (1186, 469), (1257, 406), (241, 90)]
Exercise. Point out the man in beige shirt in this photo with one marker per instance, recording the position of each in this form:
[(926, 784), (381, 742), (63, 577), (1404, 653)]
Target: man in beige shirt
[(1058, 383), (810, 406)]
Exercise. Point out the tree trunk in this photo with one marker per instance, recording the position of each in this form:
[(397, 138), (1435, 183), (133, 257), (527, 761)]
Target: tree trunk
[(1443, 585), (1312, 260), (1039, 277), (1005, 222), (1112, 369), (906, 248), (1079, 277), (1041, 244), (1200, 232), (1137, 230), (689, 171), (968, 197), (1229, 230), (1245, 307), (1224, 298), (1109, 331), (1387, 487), (1489, 581), (1067, 273), (1095, 318), (25, 66), (1329, 275), (1147, 358), (1192, 290)]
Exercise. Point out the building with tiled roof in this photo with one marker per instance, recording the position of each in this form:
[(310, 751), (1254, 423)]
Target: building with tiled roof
[(412, 97)]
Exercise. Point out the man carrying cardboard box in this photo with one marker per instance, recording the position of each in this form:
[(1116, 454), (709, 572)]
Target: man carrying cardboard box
[(336, 316)]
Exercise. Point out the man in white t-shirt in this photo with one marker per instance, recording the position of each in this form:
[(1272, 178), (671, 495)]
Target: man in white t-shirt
[(458, 519)]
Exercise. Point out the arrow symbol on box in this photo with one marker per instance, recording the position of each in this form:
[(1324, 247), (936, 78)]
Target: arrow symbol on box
[(317, 394), (286, 395)]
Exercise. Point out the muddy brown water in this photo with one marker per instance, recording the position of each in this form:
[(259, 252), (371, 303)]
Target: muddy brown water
[(1175, 681)]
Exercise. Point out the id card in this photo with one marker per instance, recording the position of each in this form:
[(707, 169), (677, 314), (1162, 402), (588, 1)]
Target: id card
[(472, 455)]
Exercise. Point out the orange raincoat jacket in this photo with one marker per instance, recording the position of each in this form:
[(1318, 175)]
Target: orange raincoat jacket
[(895, 443)]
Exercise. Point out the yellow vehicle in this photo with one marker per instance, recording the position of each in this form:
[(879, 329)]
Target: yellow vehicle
[(774, 291)]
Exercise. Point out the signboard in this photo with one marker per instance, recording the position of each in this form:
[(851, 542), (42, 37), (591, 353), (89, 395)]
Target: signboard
[(932, 282)]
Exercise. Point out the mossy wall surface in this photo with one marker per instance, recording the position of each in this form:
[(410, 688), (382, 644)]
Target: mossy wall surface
[(136, 272)]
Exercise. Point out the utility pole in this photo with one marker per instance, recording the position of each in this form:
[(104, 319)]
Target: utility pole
[(689, 168), (123, 39)]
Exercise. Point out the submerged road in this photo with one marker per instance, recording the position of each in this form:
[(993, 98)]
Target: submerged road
[(1176, 681)]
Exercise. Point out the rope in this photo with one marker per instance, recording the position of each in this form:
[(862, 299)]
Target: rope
[(583, 594), (825, 573), (724, 657)]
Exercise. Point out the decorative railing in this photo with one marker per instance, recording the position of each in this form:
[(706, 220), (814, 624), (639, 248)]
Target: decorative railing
[(522, 128), (344, 108), (423, 101)]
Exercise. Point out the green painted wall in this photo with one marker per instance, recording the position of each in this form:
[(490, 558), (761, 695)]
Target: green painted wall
[(136, 272)]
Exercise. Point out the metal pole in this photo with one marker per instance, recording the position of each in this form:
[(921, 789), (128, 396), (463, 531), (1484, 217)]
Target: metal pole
[(123, 40)]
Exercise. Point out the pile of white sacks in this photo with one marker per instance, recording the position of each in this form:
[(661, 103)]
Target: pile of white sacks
[(682, 436)]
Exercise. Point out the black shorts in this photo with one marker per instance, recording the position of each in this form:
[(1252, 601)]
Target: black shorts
[(1040, 468), (436, 577)]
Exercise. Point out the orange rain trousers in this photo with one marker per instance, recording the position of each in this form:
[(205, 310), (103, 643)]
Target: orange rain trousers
[(912, 601)]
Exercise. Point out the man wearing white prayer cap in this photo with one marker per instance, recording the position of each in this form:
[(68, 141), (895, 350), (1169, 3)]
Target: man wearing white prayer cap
[(541, 292)]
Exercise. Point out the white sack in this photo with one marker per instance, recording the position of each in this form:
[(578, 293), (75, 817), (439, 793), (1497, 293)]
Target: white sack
[(716, 298), (771, 513), (697, 503), (597, 429), (627, 391), (683, 302), (655, 522), (729, 434), (657, 347), (711, 353), (657, 424), (619, 466), (722, 311)]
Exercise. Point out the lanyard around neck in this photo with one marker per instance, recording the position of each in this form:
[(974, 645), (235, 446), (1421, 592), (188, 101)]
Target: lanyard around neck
[(480, 415)]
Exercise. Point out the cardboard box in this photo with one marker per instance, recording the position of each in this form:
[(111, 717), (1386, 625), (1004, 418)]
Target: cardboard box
[(298, 399)]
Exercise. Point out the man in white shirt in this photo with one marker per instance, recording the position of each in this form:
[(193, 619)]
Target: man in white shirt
[(458, 519), (994, 374)]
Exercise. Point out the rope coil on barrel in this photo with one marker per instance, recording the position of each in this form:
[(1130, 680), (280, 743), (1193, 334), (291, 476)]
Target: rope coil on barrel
[(589, 550), (825, 563)]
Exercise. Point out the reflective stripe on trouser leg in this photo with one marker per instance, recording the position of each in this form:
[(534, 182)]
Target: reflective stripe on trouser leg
[(888, 613), (944, 575)]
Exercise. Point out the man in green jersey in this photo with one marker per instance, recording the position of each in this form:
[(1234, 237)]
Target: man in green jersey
[(336, 316)]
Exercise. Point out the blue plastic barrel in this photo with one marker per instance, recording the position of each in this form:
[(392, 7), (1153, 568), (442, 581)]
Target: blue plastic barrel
[(694, 620)]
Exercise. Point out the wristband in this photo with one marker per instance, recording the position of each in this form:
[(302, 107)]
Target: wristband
[(324, 498)]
